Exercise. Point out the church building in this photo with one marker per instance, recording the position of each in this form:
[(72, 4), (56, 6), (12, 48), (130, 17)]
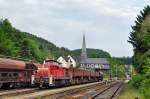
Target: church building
[(92, 63)]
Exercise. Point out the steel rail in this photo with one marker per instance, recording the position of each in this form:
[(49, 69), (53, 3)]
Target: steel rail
[(106, 89)]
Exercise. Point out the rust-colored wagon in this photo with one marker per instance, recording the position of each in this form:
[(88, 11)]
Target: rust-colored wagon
[(15, 73)]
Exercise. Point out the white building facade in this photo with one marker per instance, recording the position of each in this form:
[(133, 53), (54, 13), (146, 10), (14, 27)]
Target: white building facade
[(68, 62)]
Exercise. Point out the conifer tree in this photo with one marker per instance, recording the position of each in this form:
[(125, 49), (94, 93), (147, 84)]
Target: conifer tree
[(138, 38)]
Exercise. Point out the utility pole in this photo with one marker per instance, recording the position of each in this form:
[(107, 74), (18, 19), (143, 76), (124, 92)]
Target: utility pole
[(110, 73), (116, 72), (131, 71)]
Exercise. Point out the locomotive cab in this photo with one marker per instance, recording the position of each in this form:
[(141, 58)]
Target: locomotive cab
[(50, 73)]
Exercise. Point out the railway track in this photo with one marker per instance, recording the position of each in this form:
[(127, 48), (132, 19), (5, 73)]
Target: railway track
[(4, 94), (111, 92), (86, 91), (95, 92), (55, 93), (92, 92)]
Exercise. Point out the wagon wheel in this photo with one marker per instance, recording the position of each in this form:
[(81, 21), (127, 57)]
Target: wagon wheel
[(11, 85)]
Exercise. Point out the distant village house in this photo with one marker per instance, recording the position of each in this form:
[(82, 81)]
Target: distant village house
[(67, 62)]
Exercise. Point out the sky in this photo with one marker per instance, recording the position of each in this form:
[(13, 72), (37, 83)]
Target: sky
[(105, 23)]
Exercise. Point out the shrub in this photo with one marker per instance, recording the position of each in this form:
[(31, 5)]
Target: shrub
[(136, 81), (145, 87)]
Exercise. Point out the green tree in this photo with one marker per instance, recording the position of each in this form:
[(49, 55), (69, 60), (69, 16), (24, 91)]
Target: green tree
[(117, 68), (139, 38)]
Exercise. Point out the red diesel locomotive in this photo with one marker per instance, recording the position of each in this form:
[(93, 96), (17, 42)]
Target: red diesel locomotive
[(52, 74)]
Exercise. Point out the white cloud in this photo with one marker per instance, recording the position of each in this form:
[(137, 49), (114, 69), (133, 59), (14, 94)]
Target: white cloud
[(32, 2), (106, 22)]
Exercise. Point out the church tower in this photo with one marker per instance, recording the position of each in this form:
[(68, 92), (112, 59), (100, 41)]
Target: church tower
[(83, 54)]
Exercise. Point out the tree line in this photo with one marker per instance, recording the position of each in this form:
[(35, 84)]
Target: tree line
[(140, 39), (16, 43)]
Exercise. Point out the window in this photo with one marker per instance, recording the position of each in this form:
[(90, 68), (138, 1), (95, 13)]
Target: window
[(97, 66), (15, 74), (4, 74), (10, 75), (92, 65), (87, 65)]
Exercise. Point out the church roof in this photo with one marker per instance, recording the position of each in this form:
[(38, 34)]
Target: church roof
[(96, 61)]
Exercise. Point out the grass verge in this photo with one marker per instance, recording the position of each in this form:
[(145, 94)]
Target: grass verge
[(130, 93)]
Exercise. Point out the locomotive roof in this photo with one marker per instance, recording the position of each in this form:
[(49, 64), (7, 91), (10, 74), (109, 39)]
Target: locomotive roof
[(51, 60), (13, 64)]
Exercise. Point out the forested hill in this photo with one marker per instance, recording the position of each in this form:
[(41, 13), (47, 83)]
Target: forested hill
[(125, 60), (92, 53), (16, 43)]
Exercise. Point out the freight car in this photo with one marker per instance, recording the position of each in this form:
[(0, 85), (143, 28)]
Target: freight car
[(14, 73), (52, 74)]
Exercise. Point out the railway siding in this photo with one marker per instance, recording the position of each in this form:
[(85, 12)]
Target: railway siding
[(56, 93), (111, 92), (97, 90), (7, 93), (88, 94)]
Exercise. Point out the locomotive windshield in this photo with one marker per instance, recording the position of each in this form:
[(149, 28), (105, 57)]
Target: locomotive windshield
[(52, 62)]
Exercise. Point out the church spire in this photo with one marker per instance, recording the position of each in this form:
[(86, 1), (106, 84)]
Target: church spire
[(84, 54), (84, 45)]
